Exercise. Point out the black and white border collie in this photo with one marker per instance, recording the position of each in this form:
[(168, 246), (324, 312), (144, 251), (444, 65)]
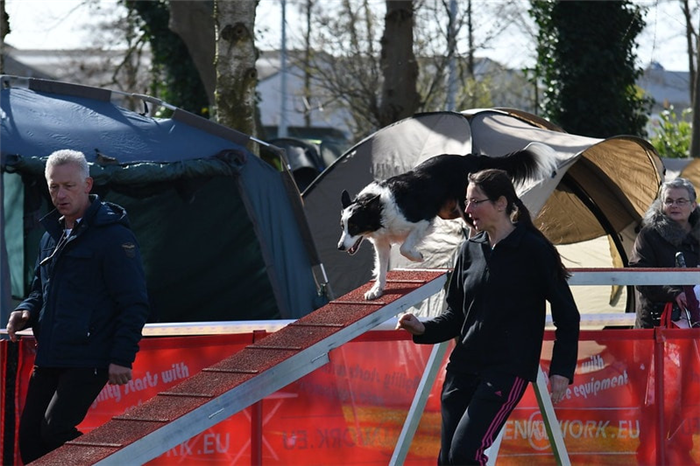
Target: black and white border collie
[(402, 209)]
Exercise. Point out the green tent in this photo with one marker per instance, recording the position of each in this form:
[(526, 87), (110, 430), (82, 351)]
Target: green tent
[(222, 232)]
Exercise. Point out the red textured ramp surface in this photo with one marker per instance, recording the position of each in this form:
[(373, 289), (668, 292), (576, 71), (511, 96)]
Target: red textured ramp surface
[(219, 391)]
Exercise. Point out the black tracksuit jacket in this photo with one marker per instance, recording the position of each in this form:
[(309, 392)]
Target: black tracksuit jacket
[(496, 307)]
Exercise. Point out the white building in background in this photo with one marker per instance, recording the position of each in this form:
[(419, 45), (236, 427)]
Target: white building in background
[(667, 88), (327, 119)]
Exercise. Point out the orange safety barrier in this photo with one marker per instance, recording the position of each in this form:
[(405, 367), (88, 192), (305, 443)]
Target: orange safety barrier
[(635, 399), (200, 401), (6, 418), (351, 410)]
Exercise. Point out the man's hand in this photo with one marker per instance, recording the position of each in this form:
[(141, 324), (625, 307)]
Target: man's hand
[(119, 375), (411, 324), (18, 320), (559, 384)]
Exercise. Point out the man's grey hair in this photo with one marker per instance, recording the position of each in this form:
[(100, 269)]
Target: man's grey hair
[(66, 156)]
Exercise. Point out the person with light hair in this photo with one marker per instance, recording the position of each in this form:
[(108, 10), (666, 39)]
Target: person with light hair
[(671, 226), (669, 237), (87, 307)]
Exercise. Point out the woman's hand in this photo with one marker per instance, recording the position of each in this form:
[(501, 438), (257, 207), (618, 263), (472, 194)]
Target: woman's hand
[(559, 384), (411, 324)]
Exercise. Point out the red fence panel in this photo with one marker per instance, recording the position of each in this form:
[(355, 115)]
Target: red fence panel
[(3, 396), (351, 411), (161, 363)]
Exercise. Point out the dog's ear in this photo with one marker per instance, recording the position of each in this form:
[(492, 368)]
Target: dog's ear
[(345, 199), (372, 200)]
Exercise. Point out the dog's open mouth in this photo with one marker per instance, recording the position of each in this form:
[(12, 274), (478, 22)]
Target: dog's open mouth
[(353, 249)]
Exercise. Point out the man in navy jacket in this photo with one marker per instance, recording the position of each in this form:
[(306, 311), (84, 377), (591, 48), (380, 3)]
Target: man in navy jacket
[(87, 307)]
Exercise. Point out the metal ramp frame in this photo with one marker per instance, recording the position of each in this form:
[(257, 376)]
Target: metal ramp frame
[(262, 368)]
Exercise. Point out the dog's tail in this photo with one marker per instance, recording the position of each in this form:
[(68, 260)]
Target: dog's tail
[(536, 161)]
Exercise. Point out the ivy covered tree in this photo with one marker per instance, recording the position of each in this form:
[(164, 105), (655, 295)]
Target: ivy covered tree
[(175, 77), (586, 62)]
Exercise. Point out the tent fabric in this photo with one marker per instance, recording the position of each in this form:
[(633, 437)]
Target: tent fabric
[(620, 174), (40, 122), (622, 187), (219, 230), (5, 280), (691, 171), (601, 188), (15, 279)]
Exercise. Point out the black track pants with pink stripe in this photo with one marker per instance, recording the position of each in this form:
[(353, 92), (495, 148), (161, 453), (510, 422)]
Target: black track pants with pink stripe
[(474, 408)]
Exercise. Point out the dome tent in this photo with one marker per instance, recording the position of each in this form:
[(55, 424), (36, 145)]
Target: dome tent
[(599, 194), (222, 233)]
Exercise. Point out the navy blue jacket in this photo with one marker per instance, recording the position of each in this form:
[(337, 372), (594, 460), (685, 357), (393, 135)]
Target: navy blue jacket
[(88, 302), (496, 306)]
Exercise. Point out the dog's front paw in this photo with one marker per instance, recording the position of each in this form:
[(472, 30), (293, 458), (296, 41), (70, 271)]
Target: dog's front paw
[(412, 255), (374, 293)]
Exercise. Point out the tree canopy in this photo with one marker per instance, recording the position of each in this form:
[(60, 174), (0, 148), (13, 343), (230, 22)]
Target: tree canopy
[(586, 61)]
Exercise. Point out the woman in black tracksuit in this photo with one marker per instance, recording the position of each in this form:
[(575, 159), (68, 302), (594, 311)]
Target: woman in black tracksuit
[(496, 309)]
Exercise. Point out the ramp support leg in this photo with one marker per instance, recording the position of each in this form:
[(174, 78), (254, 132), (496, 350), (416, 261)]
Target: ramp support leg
[(544, 402), (416, 411), (556, 439)]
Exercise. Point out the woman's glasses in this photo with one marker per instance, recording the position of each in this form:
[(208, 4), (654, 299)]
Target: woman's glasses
[(475, 202), (680, 202)]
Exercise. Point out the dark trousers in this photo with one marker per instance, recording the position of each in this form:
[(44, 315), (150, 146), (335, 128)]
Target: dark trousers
[(57, 401), (474, 408)]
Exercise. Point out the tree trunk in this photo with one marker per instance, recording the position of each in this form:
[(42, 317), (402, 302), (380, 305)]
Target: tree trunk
[(193, 21), (4, 30), (689, 33), (695, 139), (236, 76), (470, 38), (400, 98), (308, 103)]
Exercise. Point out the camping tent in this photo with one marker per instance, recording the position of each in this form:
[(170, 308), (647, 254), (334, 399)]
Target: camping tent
[(307, 158), (222, 233), (600, 192), (687, 168)]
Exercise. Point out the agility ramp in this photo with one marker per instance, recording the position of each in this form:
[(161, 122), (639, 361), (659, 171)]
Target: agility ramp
[(260, 369)]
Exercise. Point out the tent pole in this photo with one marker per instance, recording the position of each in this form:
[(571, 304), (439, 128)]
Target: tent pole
[(569, 181)]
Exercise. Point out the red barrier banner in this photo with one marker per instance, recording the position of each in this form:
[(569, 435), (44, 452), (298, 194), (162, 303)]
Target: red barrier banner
[(351, 411), (3, 376), (618, 411), (160, 364)]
